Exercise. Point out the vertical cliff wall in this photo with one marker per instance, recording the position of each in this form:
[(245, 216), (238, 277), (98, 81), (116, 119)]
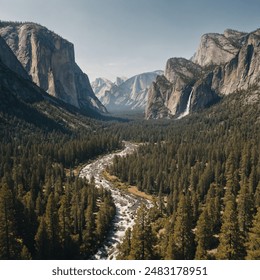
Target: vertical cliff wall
[(49, 60)]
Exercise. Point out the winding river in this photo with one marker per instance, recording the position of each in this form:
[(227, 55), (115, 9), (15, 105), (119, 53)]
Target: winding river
[(126, 204)]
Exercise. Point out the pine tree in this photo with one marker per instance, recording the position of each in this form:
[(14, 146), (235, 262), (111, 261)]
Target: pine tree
[(213, 206), (42, 242), (124, 248), (25, 254), (9, 246), (203, 236), (230, 238), (89, 237), (245, 206), (253, 245), (181, 243), (52, 228), (143, 239), (64, 225)]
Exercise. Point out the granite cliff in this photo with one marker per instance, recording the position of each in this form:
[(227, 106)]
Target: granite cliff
[(223, 64), (49, 60)]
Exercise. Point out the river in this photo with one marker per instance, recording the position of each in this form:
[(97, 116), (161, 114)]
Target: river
[(126, 204)]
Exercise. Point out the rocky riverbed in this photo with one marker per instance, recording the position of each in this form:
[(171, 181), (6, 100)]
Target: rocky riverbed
[(126, 204)]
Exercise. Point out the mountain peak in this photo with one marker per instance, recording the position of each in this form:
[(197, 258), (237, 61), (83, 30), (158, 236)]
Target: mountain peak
[(128, 94)]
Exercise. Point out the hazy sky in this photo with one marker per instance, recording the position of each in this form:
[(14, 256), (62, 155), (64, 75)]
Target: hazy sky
[(127, 37)]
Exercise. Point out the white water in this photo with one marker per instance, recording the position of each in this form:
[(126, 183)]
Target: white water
[(126, 204), (187, 110)]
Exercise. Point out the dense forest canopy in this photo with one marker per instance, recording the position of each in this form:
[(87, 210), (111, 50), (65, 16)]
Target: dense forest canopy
[(203, 171)]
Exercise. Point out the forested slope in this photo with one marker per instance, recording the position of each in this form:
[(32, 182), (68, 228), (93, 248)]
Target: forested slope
[(46, 211), (205, 175)]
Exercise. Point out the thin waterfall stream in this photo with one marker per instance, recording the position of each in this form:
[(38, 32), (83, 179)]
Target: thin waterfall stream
[(187, 109)]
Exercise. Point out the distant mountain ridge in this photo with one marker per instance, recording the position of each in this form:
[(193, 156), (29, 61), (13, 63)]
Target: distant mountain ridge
[(50, 61), (223, 64), (127, 94)]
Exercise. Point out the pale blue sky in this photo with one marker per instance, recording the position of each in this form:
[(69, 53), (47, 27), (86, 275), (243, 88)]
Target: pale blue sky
[(126, 37)]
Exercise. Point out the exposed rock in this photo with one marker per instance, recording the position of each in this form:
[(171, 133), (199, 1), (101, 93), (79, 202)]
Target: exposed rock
[(242, 71), (120, 80), (157, 94), (100, 86), (128, 95), (9, 59), (49, 60), (13, 85), (169, 95), (217, 48), (224, 64)]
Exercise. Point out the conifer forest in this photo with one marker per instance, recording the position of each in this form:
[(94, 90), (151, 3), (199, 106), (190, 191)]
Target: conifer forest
[(202, 172)]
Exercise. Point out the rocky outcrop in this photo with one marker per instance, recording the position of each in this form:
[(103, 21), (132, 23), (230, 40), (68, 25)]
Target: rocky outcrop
[(130, 94), (169, 95), (100, 86), (222, 65), (50, 61), (14, 81), (242, 71), (218, 49)]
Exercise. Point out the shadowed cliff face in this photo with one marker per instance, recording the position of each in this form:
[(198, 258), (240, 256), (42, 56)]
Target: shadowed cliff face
[(49, 60), (170, 93), (223, 64), (8, 58)]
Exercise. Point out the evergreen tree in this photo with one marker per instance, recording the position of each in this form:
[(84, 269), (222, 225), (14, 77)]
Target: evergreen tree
[(64, 226), (181, 243), (213, 207), (52, 228), (143, 239), (203, 236), (9, 246), (25, 254), (245, 206), (230, 238), (253, 245), (124, 248), (42, 241), (89, 245)]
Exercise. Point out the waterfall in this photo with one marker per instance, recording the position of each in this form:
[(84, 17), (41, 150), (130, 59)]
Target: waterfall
[(187, 109)]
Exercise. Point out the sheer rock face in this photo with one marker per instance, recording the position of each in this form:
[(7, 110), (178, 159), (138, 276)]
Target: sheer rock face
[(49, 60), (222, 65), (170, 93), (243, 70), (14, 80)]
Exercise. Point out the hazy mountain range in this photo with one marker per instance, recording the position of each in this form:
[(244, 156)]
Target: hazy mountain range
[(125, 94)]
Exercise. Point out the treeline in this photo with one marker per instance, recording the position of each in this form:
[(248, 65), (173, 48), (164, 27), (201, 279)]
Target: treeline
[(206, 177), (46, 211)]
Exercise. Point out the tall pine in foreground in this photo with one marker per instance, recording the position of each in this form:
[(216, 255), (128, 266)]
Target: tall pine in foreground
[(181, 242), (253, 245), (143, 238), (124, 248), (203, 236), (9, 246), (231, 238)]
